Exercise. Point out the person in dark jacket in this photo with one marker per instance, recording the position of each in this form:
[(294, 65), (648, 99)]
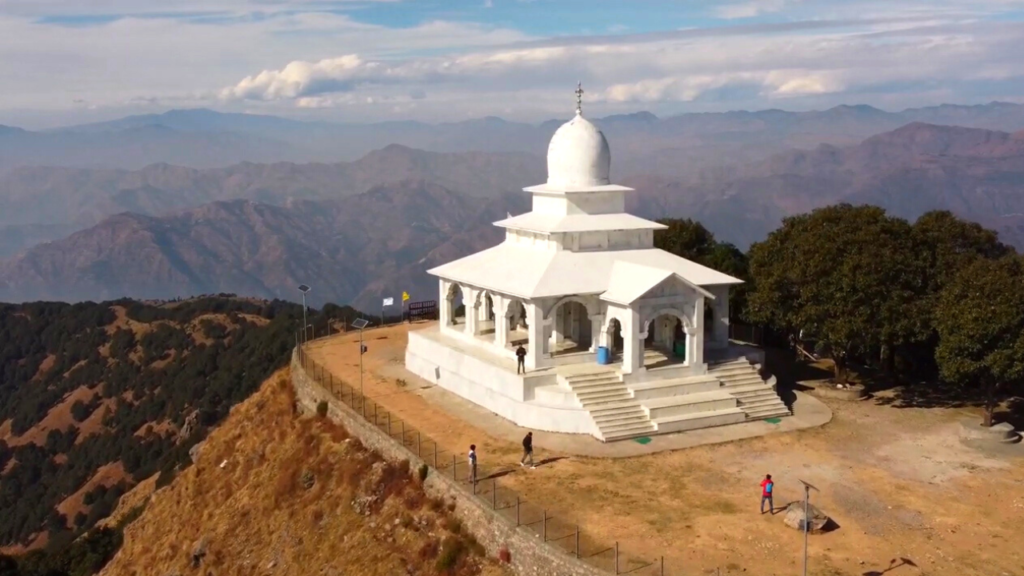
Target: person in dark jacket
[(528, 450), (520, 360)]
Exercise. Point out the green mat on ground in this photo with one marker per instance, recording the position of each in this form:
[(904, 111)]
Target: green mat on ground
[(773, 420), (644, 440)]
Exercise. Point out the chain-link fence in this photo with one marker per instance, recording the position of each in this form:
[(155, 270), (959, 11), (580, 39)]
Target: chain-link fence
[(555, 530)]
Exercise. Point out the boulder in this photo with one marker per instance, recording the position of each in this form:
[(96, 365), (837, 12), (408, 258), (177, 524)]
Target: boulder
[(795, 517), (194, 451), (199, 551)]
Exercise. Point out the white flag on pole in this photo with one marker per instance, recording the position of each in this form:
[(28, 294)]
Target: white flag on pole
[(389, 301)]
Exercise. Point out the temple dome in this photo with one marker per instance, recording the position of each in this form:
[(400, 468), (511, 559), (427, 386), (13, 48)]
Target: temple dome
[(578, 155)]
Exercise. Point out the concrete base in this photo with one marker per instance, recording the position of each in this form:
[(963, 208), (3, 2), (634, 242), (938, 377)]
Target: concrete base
[(578, 396), (534, 400)]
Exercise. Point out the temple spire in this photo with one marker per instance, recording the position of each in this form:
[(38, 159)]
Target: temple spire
[(579, 98)]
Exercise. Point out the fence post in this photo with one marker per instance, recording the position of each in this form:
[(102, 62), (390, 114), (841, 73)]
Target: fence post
[(544, 528), (418, 444), (402, 422), (662, 566), (455, 468), (577, 541), (374, 411), (517, 511), (494, 493), (616, 557)]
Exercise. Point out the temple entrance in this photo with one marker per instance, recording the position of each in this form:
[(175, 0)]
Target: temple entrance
[(517, 328), (485, 316), (570, 329), (456, 307), (666, 342)]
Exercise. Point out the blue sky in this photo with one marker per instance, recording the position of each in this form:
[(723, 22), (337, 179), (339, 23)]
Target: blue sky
[(439, 60)]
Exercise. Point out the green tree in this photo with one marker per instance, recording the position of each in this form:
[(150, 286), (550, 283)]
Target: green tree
[(848, 276), (691, 240), (980, 322)]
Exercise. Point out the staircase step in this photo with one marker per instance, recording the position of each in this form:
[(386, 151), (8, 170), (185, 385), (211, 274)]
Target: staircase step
[(626, 425), (768, 412), (629, 433), (597, 403), (617, 392), (697, 420), (618, 386), (595, 383), (611, 407), (583, 378), (748, 388), (639, 415), (761, 402)]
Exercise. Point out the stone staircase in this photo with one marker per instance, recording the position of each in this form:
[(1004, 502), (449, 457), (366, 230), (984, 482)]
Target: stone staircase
[(616, 413), (756, 397)]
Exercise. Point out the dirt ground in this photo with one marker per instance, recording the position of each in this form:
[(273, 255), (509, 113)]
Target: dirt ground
[(906, 496)]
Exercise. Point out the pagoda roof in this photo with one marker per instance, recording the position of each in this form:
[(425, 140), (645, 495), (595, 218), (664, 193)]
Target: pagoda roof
[(548, 223), (530, 272)]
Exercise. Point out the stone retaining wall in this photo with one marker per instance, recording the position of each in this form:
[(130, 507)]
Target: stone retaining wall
[(530, 556)]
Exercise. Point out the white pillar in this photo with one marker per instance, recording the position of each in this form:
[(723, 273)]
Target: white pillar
[(469, 301), (444, 305), (698, 339), (535, 322), (632, 346), (597, 336), (500, 322), (558, 325)]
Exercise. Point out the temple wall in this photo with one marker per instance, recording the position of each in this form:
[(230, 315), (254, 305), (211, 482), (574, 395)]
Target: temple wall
[(494, 388)]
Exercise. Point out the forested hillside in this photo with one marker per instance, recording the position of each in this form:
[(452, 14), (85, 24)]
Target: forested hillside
[(96, 397)]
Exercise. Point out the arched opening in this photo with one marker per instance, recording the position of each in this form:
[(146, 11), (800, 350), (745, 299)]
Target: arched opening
[(456, 307), (485, 316), (666, 341), (709, 321), (615, 342), (571, 331), (517, 328)]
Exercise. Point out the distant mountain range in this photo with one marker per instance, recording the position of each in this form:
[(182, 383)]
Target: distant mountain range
[(39, 204), (359, 230), (355, 249), (677, 146)]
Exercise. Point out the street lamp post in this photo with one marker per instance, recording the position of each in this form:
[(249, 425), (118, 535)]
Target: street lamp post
[(360, 323), (303, 288), (807, 519)]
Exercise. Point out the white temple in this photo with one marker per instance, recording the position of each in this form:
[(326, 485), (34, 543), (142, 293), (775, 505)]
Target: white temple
[(618, 334)]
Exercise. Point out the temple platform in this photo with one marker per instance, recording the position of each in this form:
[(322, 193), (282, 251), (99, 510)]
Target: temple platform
[(579, 396)]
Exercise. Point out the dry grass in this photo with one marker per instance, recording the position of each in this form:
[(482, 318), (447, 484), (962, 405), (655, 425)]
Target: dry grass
[(896, 481), (283, 503)]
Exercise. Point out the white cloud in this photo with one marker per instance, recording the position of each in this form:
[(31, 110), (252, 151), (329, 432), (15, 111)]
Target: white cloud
[(749, 9), (331, 65)]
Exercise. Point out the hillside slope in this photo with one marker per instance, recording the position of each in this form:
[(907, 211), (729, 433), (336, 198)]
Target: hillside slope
[(350, 250), (96, 397), (275, 493)]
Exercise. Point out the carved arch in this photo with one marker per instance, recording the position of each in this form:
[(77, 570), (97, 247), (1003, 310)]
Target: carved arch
[(591, 306), (667, 311)]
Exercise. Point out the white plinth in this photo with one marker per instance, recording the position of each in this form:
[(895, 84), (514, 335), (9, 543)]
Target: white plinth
[(533, 401)]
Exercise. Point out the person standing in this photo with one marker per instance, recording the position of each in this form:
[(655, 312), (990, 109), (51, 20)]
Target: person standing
[(767, 489), (520, 360), (528, 451), (472, 463)]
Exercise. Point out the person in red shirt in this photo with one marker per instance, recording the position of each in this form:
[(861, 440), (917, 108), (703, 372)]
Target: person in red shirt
[(767, 488)]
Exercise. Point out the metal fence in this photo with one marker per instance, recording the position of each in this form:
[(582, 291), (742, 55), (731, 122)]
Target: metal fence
[(560, 532)]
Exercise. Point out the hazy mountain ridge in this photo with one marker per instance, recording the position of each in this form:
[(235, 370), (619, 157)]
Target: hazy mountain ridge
[(58, 201), (350, 250), (977, 174), (645, 142)]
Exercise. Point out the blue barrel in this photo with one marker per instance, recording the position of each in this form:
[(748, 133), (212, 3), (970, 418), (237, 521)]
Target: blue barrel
[(603, 356)]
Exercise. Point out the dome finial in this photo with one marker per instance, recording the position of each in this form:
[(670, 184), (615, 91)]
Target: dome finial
[(579, 98)]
